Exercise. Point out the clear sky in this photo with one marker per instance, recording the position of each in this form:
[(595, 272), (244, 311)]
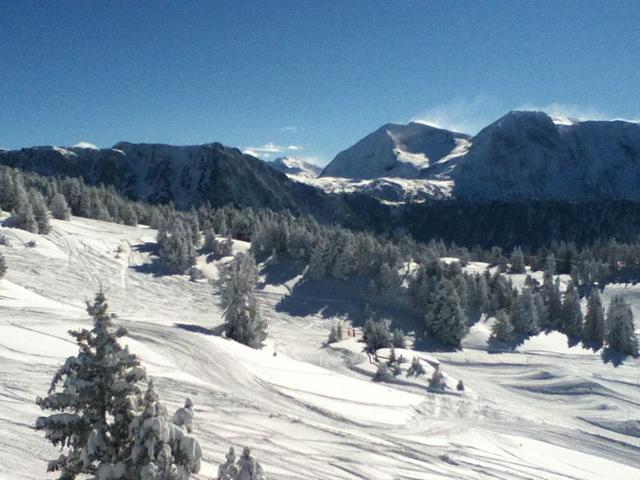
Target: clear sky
[(304, 78)]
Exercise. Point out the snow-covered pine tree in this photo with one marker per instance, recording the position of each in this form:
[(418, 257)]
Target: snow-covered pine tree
[(40, 212), (594, 325), (376, 335), (437, 380), (397, 339), (620, 330), (237, 290), (249, 468), (175, 245), (502, 329), (524, 315), (3, 266), (415, 369), (552, 300), (59, 208), (7, 190), (517, 261), (445, 320), (571, 314), (93, 395), (22, 215), (151, 457)]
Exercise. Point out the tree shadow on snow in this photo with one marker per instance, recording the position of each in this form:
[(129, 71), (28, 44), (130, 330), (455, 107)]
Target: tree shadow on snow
[(613, 357), (342, 298), (217, 331), (499, 346), (278, 272), (154, 268), (147, 247)]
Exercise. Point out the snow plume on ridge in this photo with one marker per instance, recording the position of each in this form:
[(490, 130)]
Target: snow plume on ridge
[(568, 114), (461, 114), (87, 145)]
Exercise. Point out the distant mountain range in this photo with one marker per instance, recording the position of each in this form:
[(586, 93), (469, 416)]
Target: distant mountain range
[(523, 155), (295, 166)]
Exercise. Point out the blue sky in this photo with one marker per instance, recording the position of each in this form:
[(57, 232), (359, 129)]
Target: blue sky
[(304, 78)]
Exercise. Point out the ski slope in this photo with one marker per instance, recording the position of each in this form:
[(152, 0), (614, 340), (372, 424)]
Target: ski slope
[(543, 411)]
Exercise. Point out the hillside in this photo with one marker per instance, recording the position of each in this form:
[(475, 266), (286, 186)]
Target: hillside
[(544, 410)]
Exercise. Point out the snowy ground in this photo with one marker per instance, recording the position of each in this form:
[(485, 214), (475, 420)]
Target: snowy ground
[(544, 411)]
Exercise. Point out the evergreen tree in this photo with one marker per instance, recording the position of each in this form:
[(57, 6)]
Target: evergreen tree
[(571, 318), (3, 266), (502, 329), (175, 245), (620, 330), (398, 340), (445, 320), (23, 216), (151, 455), (553, 302), (376, 335), (59, 208), (95, 403), (594, 325), (517, 261), (249, 468), (415, 369), (40, 212), (237, 289), (524, 315)]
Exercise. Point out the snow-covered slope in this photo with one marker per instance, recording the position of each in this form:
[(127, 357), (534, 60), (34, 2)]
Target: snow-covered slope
[(543, 411), (390, 190), (296, 167), (394, 150)]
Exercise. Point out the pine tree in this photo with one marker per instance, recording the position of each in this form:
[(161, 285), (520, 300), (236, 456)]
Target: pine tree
[(96, 399), (571, 318), (249, 468), (3, 266), (502, 329), (517, 261), (376, 335), (59, 208), (23, 216), (445, 319), (620, 330), (594, 325), (398, 340), (40, 212), (553, 302), (524, 315), (151, 455), (237, 289), (415, 369)]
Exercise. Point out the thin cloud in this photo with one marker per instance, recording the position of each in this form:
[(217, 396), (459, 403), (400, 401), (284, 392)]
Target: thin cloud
[(461, 114), (290, 128), (270, 148)]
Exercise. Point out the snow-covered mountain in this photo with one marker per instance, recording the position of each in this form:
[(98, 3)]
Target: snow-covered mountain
[(296, 167), (523, 155), (405, 151), (188, 176), (526, 155)]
